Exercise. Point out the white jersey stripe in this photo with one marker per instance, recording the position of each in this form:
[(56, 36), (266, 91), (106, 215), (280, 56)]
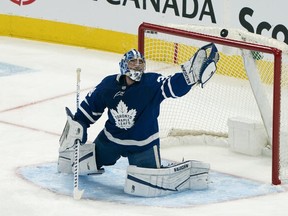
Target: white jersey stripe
[(162, 89), (96, 113), (156, 154), (131, 142), (170, 88), (87, 115)]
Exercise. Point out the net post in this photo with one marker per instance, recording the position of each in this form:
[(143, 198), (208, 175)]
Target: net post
[(276, 118), (141, 41)]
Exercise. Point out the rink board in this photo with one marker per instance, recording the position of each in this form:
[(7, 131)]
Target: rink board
[(109, 187)]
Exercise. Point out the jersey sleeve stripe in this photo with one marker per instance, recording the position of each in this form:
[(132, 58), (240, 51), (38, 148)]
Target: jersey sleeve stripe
[(163, 90), (170, 88), (87, 115), (96, 114), (167, 85)]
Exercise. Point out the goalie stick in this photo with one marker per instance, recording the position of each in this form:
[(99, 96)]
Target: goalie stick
[(77, 194)]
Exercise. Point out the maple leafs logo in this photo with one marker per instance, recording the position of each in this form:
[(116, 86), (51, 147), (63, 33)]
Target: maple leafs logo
[(124, 118), (22, 2)]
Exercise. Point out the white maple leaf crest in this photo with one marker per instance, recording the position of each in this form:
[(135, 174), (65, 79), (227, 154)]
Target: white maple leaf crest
[(124, 118)]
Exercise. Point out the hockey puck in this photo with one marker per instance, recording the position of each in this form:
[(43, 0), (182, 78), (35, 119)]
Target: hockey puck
[(224, 33)]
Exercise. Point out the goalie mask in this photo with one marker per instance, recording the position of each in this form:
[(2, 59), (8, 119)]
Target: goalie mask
[(133, 65)]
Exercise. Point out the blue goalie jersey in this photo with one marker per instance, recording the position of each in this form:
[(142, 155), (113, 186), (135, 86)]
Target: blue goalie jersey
[(132, 110)]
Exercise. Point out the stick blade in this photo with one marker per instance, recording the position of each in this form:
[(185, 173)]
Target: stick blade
[(77, 194)]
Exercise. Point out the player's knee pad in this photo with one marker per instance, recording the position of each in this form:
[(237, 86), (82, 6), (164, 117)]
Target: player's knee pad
[(87, 160), (158, 182)]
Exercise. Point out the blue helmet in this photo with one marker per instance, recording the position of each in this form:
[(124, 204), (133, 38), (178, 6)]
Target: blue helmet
[(133, 65)]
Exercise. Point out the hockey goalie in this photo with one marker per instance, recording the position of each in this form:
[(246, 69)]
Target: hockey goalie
[(132, 99)]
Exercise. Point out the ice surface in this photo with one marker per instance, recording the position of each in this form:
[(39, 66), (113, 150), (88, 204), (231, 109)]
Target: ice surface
[(108, 187)]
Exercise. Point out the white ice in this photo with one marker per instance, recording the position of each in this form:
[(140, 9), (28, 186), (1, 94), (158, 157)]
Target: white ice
[(32, 117)]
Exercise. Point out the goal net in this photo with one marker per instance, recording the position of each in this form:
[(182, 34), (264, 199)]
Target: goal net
[(251, 83)]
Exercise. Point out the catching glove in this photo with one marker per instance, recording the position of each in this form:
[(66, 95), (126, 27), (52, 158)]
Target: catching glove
[(201, 67)]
